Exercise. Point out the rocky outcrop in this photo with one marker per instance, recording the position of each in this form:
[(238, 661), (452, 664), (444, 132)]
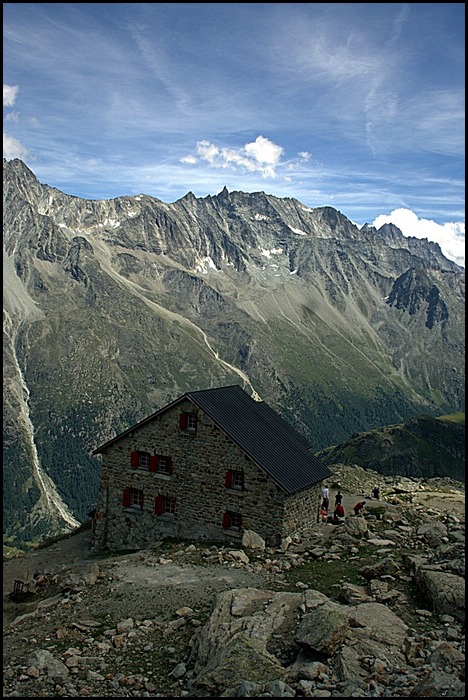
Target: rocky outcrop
[(199, 620)]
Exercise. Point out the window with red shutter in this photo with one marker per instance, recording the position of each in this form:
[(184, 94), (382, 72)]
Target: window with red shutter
[(163, 464), (188, 422), (165, 505), (153, 466), (232, 521), (234, 480), (140, 460), (133, 498), (158, 505)]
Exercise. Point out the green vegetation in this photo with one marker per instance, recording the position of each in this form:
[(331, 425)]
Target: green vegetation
[(324, 575), (424, 446), (458, 417)]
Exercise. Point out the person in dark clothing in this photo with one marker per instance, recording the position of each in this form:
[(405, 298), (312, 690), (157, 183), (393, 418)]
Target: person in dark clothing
[(338, 498), (376, 492)]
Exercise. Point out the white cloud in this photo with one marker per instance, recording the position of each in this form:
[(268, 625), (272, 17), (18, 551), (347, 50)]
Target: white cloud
[(449, 236), (191, 160), (12, 148), (9, 95), (264, 152), (262, 156)]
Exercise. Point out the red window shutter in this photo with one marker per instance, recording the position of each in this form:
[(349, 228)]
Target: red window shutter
[(134, 459), (169, 465), (226, 520), (228, 480), (153, 465), (158, 505), (183, 421), (126, 497)]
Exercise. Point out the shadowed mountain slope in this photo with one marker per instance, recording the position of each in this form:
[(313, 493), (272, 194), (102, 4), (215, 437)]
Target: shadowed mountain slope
[(421, 447)]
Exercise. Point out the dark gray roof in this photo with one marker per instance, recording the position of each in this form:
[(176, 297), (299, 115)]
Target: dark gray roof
[(269, 440), (263, 435)]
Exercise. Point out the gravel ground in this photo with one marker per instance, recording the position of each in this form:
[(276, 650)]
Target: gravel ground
[(145, 588)]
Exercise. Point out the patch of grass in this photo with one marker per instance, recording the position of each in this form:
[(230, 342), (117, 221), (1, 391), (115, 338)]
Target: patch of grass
[(327, 575), (453, 418)]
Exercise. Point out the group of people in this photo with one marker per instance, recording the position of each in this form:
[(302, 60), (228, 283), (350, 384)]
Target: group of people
[(338, 510)]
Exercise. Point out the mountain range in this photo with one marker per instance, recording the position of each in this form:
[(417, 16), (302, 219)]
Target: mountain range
[(114, 308)]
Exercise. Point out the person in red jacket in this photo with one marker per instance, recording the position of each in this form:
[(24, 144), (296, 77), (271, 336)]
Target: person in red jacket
[(338, 515), (339, 511), (359, 507)]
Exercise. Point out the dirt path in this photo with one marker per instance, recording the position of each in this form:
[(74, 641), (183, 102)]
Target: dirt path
[(71, 551)]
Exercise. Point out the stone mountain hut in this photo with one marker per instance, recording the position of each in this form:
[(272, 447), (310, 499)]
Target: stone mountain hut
[(209, 465)]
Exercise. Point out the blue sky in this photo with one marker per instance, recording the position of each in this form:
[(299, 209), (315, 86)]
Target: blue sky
[(359, 106)]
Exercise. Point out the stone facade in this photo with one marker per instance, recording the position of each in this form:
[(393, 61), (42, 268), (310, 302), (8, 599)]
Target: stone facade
[(194, 498)]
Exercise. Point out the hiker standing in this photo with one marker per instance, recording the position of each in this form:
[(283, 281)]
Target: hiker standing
[(325, 498)]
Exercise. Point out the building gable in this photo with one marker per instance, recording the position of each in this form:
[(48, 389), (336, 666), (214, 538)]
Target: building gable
[(260, 432)]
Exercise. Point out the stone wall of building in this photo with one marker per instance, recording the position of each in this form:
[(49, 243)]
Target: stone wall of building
[(302, 509), (200, 461)]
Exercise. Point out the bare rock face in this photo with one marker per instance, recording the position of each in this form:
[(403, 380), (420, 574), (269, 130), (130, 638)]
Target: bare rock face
[(242, 657), (324, 629)]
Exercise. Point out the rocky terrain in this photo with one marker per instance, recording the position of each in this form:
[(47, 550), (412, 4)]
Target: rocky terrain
[(370, 608)]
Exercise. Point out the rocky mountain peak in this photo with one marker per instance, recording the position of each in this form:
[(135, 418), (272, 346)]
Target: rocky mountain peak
[(116, 307)]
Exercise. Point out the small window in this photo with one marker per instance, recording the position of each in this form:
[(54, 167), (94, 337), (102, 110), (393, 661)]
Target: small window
[(133, 498), (232, 520), (188, 422), (234, 480), (163, 464), (165, 505), (140, 460)]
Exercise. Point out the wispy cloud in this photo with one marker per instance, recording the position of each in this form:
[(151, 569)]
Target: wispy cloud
[(359, 106), (12, 148)]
